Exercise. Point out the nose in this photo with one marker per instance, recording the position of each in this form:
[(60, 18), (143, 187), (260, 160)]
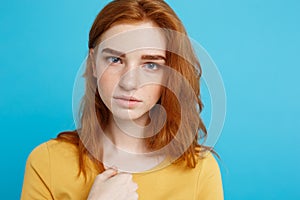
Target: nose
[(130, 79)]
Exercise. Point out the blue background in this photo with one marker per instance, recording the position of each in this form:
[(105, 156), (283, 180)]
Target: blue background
[(254, 43)]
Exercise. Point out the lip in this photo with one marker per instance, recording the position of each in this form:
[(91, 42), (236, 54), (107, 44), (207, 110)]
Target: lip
[(127, 101), (127, 98)]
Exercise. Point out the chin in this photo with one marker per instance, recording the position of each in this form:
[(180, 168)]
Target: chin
[(131, 115)]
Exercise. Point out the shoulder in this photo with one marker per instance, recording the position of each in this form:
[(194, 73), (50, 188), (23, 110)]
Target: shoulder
[(208, 163), (209, 183), (52, 155), (201, 182), (52, 169), (50, 148), (206, 167)]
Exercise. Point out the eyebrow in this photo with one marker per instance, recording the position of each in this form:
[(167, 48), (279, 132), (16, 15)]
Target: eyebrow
[(113, 52), (144, 57), (153, 57)]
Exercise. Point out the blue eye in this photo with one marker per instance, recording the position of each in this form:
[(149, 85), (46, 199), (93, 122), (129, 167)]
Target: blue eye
[(113, 59), (151, 66)]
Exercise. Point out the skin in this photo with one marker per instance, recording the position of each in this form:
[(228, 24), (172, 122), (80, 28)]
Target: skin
[(129, 73), (113, 185), (129, 78)]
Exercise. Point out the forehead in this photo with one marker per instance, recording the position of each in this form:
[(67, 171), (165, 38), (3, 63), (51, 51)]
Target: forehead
[(132, 37)]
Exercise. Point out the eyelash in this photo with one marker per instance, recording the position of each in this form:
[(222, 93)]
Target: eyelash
[(112, 59), (117, 60), (151, 63)]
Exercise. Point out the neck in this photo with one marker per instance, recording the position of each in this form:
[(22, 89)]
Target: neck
[(127, 134)]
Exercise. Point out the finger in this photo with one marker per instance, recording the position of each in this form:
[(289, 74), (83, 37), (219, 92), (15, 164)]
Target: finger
[(110, 167), (135, 186), (114, 167), (135, 196), (124, 177), (107, 174), (132, 196)]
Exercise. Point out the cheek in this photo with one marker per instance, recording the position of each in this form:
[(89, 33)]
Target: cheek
[(154, 93), (106, 85)]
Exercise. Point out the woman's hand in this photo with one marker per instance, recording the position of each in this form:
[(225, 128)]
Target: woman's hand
[(113, 185)]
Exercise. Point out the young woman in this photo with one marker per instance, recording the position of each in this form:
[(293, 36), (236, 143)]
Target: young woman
[(139, 127)]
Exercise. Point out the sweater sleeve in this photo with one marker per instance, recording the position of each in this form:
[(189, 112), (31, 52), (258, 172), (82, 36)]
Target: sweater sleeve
[(209, 180), (37, 179)]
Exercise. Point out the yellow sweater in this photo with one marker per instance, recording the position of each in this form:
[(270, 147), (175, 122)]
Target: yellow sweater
[(52, 168)]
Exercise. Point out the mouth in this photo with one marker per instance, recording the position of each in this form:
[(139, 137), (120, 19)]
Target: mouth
[(127, 98), (127, 101)]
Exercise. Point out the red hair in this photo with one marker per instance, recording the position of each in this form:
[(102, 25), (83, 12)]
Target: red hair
[(158, 12)]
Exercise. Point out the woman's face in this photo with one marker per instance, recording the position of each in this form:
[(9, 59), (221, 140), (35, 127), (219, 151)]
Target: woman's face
[(128, 67)]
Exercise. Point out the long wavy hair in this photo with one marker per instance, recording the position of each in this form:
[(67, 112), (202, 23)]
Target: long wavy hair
[(95, 113)]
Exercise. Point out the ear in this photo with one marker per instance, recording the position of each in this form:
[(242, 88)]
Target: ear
[(92, 57)]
